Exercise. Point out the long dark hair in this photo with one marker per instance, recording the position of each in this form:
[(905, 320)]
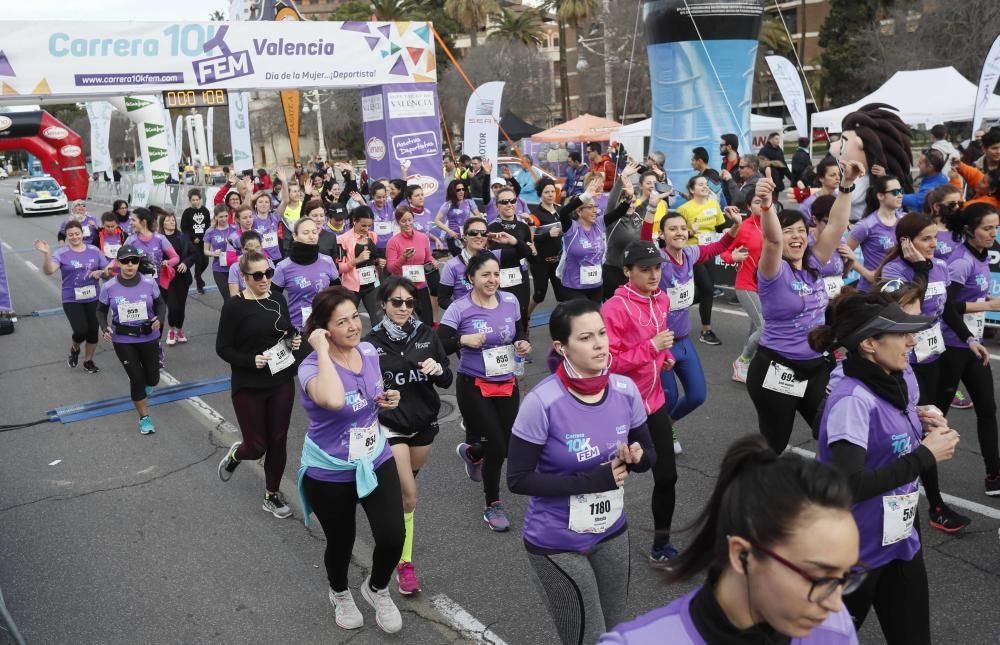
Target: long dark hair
[(452, 196), (936, 196), (965, 222), (323, 305), (758, 496), (788, 217), (146, 216), (878, 185), (908, 226)]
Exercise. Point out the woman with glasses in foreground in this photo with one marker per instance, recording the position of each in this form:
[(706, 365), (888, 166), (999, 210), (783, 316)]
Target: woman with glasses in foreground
[(780, 548)]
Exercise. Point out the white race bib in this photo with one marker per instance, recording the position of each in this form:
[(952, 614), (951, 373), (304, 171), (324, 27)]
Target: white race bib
[(279, 357), (781, 379), (111, 250), (132, 312), (499, 361), (414, 273), (510, 277), (935, 289), (224, 259), (383, 228), (682, 296), (708, 238), (367, 275), (595, 512), (269, 240), (930, 342), (363, 443), (85, 293), (833, 284), (306, 312), (898, 512), (86, 231), (590, 275), (976, 323)]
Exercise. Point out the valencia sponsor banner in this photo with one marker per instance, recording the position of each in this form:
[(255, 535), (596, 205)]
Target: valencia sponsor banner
[(67, 59)]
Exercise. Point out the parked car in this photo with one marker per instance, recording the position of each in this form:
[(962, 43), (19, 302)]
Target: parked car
[(39, 196), (3, 173)]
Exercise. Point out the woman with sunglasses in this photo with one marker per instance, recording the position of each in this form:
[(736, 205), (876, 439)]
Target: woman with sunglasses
[(414, 363), (780, 550), (408, 254), (511, 238), (136, 308), (457, 207), (221, 243), (942, 204), (486, 327), (257, 339), (82, 266), (547, 236), (454, 286), (176, 293), (873, 432), (876, 233)]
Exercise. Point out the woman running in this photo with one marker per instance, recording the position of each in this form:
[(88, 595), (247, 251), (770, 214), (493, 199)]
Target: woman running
[(584, 245), (704, 217), (82, 266), (220, 245), (267, 223), (136, 308), (249, 241), (176, 293), (621, 233), (578, 435), (89, 226), (547, 235), (943, 203), (454, 286), (413, 362), (512, 238), (457, 207), (408, 254), (788, 519), (485, 326), (304, 273), (965, 358), (828, 177), (787, 375), (640, 341), (872, 431), (120, 208), (745, 252), (382, 209), (195, 220), (359, 265), (111, 236), (256, 338), (876, 233), (345, 457)]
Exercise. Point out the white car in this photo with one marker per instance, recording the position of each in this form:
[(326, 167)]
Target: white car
[(3, 173), (39, 196)]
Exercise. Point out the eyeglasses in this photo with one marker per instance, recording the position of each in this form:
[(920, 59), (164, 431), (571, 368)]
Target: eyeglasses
[(409, 303), (260, 275), (506, 202), (476, 233), (129, 260), (822, 588), (896, 192)]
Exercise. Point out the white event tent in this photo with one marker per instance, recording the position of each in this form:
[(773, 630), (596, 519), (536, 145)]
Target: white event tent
[(922, 97), (633, 135)]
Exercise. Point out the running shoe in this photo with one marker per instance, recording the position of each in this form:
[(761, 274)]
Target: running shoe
[(171, 337), (960, 402), (275, 504), (664, 554), (677, 443), (474, 469), (74, 357), (229, 462), (346, 613), (201, 290), (740, 367), (709, 338), (943, 518), (993, 485), (91, 367), (496, 517), (407, 578), (386, 615), (146, 425), (181, 338), (717, 293)]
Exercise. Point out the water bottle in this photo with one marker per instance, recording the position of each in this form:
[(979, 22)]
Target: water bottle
[(518, 365)]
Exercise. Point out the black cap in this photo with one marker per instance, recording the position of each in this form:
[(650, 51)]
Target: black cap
[(887, 319), (641, 253), (129, 251)]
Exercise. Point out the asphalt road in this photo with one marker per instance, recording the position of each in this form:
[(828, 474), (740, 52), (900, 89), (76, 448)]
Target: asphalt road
[(111, 537)]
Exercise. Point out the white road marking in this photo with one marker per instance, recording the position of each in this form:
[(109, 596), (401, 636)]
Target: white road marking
[(199, 406), (464, 622), (32, 266), (7, 246), (55, 463)]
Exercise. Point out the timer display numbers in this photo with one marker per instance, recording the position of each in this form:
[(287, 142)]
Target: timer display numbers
[(176, 99)]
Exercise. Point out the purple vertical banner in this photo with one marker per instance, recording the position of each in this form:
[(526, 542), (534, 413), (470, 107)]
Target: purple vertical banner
[(5, 304), (403, 139)]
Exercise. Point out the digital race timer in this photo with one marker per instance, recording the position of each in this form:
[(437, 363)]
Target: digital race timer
[(173, 99)]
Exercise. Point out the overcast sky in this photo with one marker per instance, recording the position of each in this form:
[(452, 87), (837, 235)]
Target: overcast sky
[(181, 10)]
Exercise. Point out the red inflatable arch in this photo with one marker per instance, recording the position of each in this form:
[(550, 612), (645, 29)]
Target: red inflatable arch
[(59, 149)]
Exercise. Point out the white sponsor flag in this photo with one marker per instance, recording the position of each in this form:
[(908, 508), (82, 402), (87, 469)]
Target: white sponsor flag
[(99, 113), (239, 130), (172, 155), (179, 137), (786, 77), (482, 120), (987, 81), (209, 135)]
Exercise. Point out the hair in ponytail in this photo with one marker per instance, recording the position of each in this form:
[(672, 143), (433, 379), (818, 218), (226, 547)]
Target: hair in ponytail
[(969, 219), (845, 315), (758, 496)]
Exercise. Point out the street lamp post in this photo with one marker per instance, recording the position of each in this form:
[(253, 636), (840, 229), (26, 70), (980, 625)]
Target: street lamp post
[(314, 102)]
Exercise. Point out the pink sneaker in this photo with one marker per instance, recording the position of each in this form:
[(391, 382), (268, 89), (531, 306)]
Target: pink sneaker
[(171, 337), (181, 338), (407, 577)]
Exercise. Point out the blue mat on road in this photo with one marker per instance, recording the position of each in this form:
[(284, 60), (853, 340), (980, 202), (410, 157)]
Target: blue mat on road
[(169, 394)]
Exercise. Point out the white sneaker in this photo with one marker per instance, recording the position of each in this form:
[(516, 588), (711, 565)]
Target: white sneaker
[(740, 368), (386, 614), (677, 444), (348, 616)]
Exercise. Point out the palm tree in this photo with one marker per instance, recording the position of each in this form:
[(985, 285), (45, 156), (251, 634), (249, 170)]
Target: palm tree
[(472, 14), (390, 10), (570, 13), (524, 27), (774, 38)]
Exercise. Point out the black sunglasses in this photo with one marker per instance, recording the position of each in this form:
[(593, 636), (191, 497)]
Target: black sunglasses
[(476, 233), (129, 260), (896, 192), (459, 190), (260, 275), (409, 303), (506, 202)]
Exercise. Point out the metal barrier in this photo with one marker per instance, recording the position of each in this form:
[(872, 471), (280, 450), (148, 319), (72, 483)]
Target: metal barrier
[(172, 197)]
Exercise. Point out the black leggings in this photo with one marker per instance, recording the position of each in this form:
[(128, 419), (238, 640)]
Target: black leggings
[(960, 363), (370, 300), (142, 365), (176, 297), (488, 422), (200, 264), (704, 291), (542, 273), (928, 375), (611, 278), (424, 310), (898, 591), (82, 318), (664, 475), (222, 282), (263, 415), (522, 292), (334, 504), (593, 294), (776, 411)]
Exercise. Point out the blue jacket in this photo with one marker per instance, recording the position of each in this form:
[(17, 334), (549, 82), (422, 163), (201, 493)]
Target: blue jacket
[(574, 181), (915, 201)]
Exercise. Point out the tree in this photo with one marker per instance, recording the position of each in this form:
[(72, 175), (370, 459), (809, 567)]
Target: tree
[(391, 10), (570, 13), (352, 10), (845, 50), (216, 16), (524, 27), (472, 14), (774, 38)]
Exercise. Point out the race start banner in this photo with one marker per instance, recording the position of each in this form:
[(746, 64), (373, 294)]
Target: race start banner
[(68, 59)]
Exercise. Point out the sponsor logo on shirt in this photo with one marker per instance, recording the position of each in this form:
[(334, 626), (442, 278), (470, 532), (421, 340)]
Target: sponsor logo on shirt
[(982, 283), (403, 378), (886, 242), (481, 327), (355, 400), (621, 430), (801, 288), (580, 445), (901, 444), (422, 345)]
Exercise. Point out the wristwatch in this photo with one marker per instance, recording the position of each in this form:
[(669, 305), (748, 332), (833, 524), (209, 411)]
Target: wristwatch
[(848, 190)]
